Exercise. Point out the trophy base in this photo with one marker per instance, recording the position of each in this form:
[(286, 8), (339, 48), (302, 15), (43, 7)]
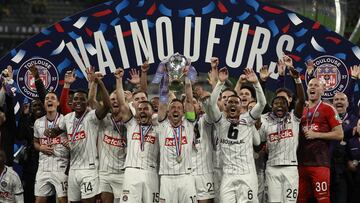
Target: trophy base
[(176, 86)]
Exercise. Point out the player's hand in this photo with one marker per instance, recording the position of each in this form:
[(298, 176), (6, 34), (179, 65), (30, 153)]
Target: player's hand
[(46, 149), (251, 76), (310, 135), (294, 73), (214, 62), (186, 70), (212, 78), (352, 166), (288, 61), (49, 132), (90, 74), (355, 71), (309, 67), (128, 96), (264, 73), (242, 79), (223, 74), (119, 73), (134, 77), (34, 71), (281, 67), (69, 77), (66, 144), (145, 66)]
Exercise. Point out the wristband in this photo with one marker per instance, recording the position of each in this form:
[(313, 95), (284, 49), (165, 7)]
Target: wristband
[(297, 81), (190, 115)]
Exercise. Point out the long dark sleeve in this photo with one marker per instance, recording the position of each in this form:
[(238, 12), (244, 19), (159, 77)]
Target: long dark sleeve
[(10, 125), (40, 88)]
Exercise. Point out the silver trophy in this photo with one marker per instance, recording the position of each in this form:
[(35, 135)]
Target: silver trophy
[(175, 70)]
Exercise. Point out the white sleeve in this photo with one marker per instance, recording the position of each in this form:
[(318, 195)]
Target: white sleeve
[(36, 132), (255, 112), (62, 124), (262, 133), (210, 105), (18, 190), (256, 136)]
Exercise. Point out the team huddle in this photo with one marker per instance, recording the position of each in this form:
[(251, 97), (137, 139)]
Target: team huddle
[(226, 145)]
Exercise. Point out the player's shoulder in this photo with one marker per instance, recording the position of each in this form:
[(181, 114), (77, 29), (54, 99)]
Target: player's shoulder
[(11, 171), (69, 116), (327, 107)]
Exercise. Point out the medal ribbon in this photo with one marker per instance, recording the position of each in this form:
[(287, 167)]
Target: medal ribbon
[(177, 132), (118, 129), (344, 118), (313, 115), (143, 133), (76, 125)]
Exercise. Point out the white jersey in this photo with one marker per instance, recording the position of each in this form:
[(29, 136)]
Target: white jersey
[(282, 138), (170, 161), (10, 185), (111, 145), (146, 157), (202, 161), (59, 160), (83, 149), (236, 145)]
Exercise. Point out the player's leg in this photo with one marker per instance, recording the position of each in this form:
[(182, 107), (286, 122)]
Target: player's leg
[(205, 188), (89, 185), (106, 192), (186, 188), (320, 179), (305, 189), (60, 182), (43, 188), (133, 185), (274, 184), (227, 189), (151, 191), (169, 189), (247, 188), (290, 187), (217, 182), (74, 193)]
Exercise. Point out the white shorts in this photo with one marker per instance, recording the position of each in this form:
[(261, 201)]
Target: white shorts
[(261, 185), (205, 186), (239, 188), (83, 184), (112, 183), (140, 186), (282, 183), (178, 188), (49, 183)]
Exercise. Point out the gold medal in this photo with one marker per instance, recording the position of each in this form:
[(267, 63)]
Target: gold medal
[(179, 159)]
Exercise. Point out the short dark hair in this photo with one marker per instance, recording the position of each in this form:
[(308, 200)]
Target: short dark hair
[(81, 91), (236, 96), (139, 91), (228, 89), (286, 90), (251, 90), (176, 100)]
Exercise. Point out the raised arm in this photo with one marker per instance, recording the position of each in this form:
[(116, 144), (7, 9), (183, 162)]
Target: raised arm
[(189, 106), (40, 88), (93, 103), (260, 97), (124, 107), (300, 93), (210, 105), (143, 78), (103, 109), (64, 97)]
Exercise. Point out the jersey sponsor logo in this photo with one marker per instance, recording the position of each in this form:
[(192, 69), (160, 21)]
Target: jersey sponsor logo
[(5, 194), (333, 73), (231, 142), (313, 127), (170, 141), (282, 135), (78, 136), (150, 138), (114, 141), (47, 72), (50, 141)]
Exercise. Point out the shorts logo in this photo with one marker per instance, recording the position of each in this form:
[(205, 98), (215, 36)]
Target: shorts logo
[(47, 72), (333, 73), (125, 198)]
